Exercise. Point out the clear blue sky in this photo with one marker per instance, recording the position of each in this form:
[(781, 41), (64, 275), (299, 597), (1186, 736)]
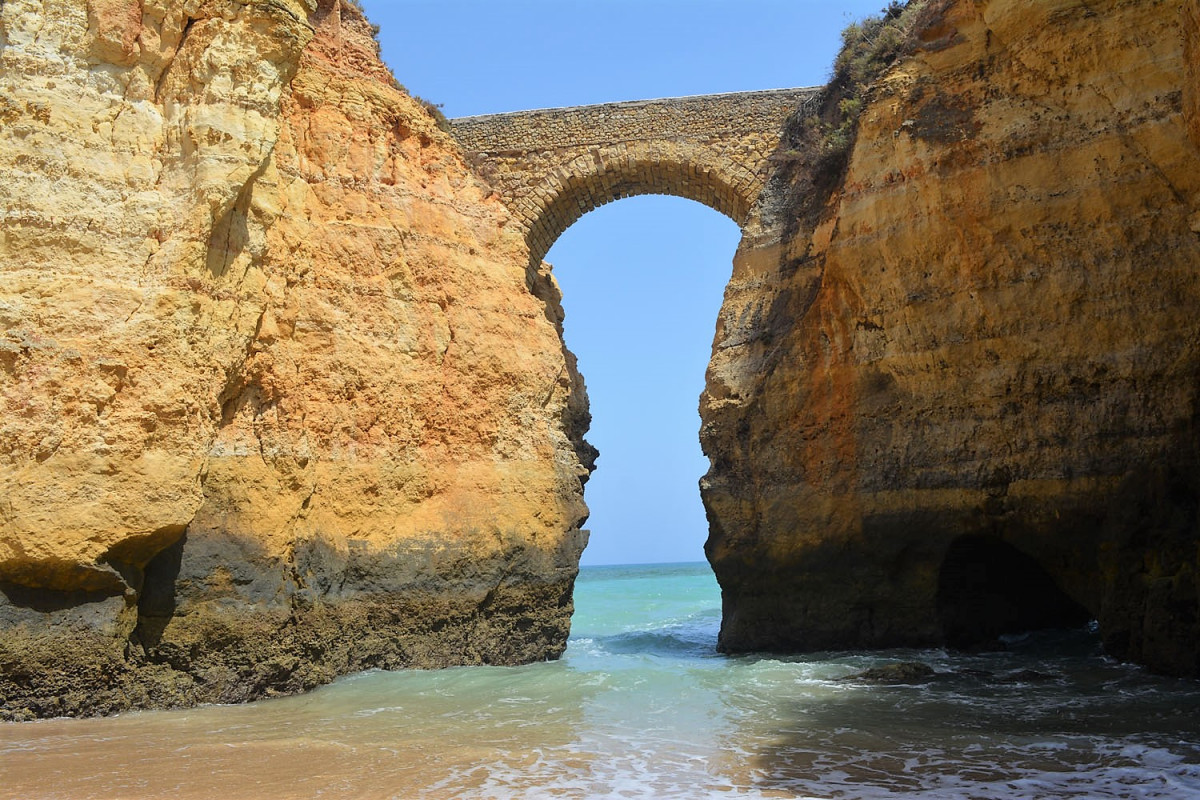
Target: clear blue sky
[(642, 279)]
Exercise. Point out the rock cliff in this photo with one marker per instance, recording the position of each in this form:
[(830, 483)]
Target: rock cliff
[(280, 398), (957, 395)]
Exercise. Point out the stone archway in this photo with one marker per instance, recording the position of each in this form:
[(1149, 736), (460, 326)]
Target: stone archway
[(552, 166), (616, 173)]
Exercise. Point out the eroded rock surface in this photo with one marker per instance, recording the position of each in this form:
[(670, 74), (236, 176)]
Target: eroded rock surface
[(280, 400), (984, 343)]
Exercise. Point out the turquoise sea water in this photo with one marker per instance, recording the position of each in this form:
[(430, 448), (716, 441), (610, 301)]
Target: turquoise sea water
[(643, 706)]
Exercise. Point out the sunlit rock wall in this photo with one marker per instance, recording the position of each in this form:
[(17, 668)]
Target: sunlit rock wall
[(975, 364), (279, 398)]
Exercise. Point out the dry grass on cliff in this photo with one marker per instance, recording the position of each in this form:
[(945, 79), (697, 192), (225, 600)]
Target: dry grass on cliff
[(820, 135), (433, 109)]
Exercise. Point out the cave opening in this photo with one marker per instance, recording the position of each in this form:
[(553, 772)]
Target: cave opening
[(987, 588)]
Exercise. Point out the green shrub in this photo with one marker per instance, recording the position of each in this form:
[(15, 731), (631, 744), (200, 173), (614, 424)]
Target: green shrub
[(435, 111), (818, 138)]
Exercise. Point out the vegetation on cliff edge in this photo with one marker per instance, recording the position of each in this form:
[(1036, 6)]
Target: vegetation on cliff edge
[(433, 109), (821, 134)]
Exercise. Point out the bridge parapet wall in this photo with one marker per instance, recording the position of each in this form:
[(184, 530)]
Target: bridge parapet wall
[(639, 120)]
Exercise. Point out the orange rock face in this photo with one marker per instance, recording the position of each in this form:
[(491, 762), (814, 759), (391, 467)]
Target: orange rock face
[(280, 398), (962, 397)]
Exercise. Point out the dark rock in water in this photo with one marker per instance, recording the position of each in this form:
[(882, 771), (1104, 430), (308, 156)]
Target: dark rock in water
[(983, 674), (1030, 676), (904, 672)]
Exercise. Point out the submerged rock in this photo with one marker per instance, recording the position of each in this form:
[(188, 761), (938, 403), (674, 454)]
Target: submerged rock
[(904, 672)]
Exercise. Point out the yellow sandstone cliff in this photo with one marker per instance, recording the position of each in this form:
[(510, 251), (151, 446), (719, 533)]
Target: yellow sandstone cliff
[(279, 399), (958, 395)]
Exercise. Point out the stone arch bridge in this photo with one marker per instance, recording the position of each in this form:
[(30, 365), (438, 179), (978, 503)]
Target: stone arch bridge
[(551, 166)]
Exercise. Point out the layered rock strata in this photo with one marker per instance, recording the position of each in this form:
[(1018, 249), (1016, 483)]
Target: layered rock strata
[(281, 399), (958, 395)]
